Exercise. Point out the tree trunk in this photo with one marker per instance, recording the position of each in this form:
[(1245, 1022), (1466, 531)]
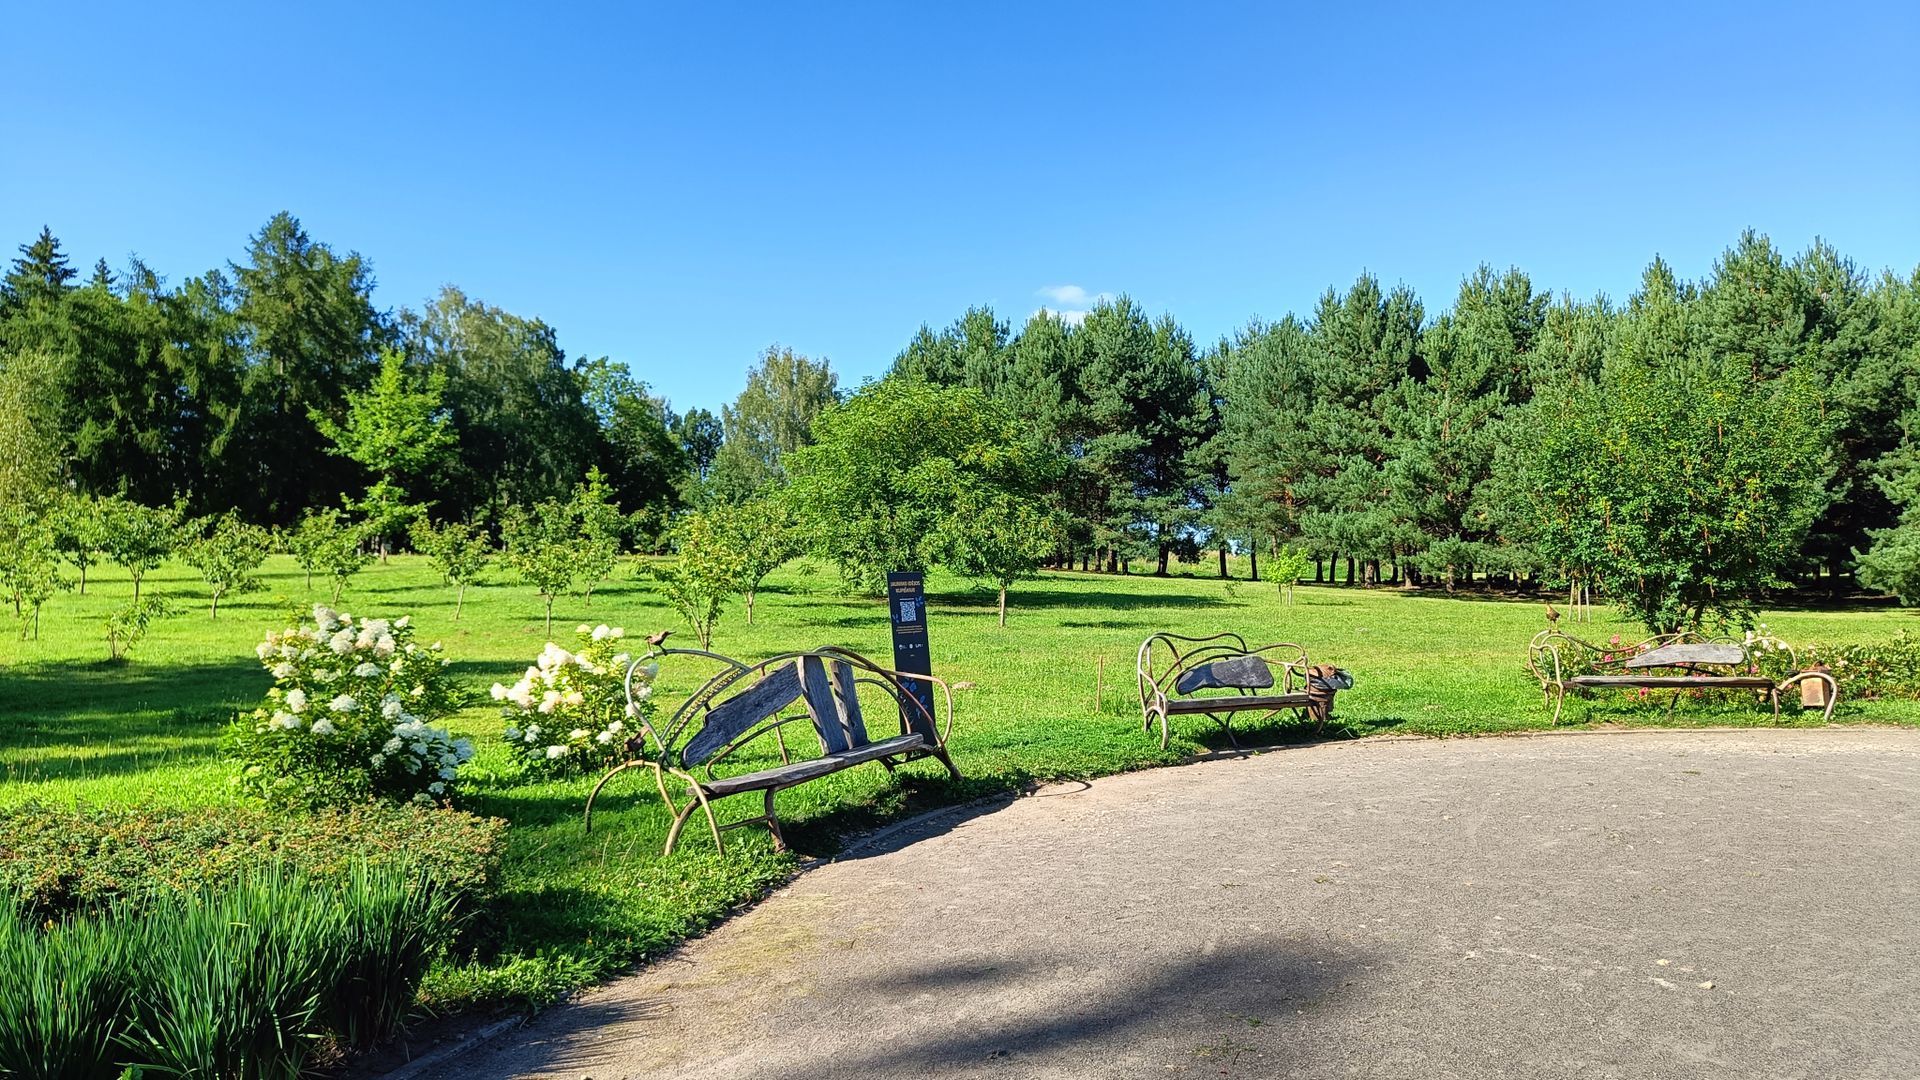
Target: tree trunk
[(749, 598), (1003, 605), (213, 609), (1223, 562), (1160, 566), (549, 601), (459, 599), (1253, 560), (1349, 569), (83, 590), (1319, 568)]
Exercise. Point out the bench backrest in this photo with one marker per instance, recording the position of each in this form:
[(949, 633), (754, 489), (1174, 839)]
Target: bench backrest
[(738, 714), (827, 685), (1690, 653), (1230, 673)]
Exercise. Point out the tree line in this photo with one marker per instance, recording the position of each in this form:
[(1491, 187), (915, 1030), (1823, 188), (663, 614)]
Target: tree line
[(1679, 452)]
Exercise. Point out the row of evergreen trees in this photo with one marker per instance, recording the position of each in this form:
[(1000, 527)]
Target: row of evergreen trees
[(1404, 446)]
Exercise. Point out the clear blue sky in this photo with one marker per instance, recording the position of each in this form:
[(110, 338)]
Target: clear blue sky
[(679, 187)]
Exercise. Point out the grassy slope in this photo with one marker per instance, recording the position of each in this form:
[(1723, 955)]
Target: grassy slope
[(577, 907)]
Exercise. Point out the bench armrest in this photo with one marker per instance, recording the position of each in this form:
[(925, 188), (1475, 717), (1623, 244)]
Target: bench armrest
[(946, 695)]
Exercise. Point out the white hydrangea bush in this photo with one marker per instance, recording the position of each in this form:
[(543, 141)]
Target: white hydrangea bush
[(352, 716), (569, 713)]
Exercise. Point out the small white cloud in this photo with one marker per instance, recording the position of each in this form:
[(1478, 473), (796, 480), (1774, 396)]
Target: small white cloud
[(1071, 318), (1071, 303), (1068, 295)]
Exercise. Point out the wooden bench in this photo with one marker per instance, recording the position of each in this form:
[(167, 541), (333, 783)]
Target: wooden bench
[(1175, 674), (1677, 662), (744, 703)]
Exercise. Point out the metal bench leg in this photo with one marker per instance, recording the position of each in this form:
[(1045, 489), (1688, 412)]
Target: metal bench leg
[(698, 801), (1226, 725), (713, 826), (595, 793), (680, 816), (1558, 695), (947, 761), (773, 825)]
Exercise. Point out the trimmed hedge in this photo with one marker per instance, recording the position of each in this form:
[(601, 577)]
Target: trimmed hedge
[(59, 861)]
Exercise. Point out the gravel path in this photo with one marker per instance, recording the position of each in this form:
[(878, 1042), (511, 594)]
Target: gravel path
[(1647, 904)]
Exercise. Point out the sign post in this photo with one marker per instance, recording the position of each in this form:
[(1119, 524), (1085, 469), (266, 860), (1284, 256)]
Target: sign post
[(907, 610)]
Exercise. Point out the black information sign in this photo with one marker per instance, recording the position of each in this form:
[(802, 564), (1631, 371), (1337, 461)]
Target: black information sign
[(907, 606)]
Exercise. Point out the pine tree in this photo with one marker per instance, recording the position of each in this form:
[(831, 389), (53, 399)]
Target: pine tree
[(41, 273)]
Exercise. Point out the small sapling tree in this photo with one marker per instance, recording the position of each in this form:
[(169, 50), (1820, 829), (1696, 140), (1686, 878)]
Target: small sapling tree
[(758, 536), (602, 527), (227, 554), (29, 567), (127, 624), (1001, 538), (543, 548), (460, 549), (705, 573), (79, 533), (139, 538), (1287, 567)]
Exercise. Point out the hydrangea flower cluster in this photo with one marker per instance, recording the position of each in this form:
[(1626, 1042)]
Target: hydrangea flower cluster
[(351, 716), (569, 712)]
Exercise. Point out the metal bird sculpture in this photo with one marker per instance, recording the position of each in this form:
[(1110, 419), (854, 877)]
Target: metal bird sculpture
[(1553, 616)]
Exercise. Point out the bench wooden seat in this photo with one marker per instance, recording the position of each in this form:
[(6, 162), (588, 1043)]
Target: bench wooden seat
[(1677, 662), (1221, 675), (775, 779), (1238, 703), (1661, 682), (744, 703)]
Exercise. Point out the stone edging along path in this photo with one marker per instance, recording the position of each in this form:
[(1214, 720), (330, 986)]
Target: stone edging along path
[(1221, 818)]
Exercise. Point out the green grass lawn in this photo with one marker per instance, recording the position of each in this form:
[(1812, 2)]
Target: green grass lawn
[(73, 727)]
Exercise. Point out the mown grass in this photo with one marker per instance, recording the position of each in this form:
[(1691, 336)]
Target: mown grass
[(577, 907)]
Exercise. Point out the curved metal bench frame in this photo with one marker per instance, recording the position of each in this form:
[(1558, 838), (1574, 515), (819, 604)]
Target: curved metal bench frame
[(663, 746), (1549, 652), (1163, 658)]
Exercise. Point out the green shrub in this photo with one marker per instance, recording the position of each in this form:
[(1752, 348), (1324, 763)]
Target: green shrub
[(245, 980), (399, 924), (65, 997), (57, 861), (233, 981), (569, 713), (350, 716), (1887, 669)]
